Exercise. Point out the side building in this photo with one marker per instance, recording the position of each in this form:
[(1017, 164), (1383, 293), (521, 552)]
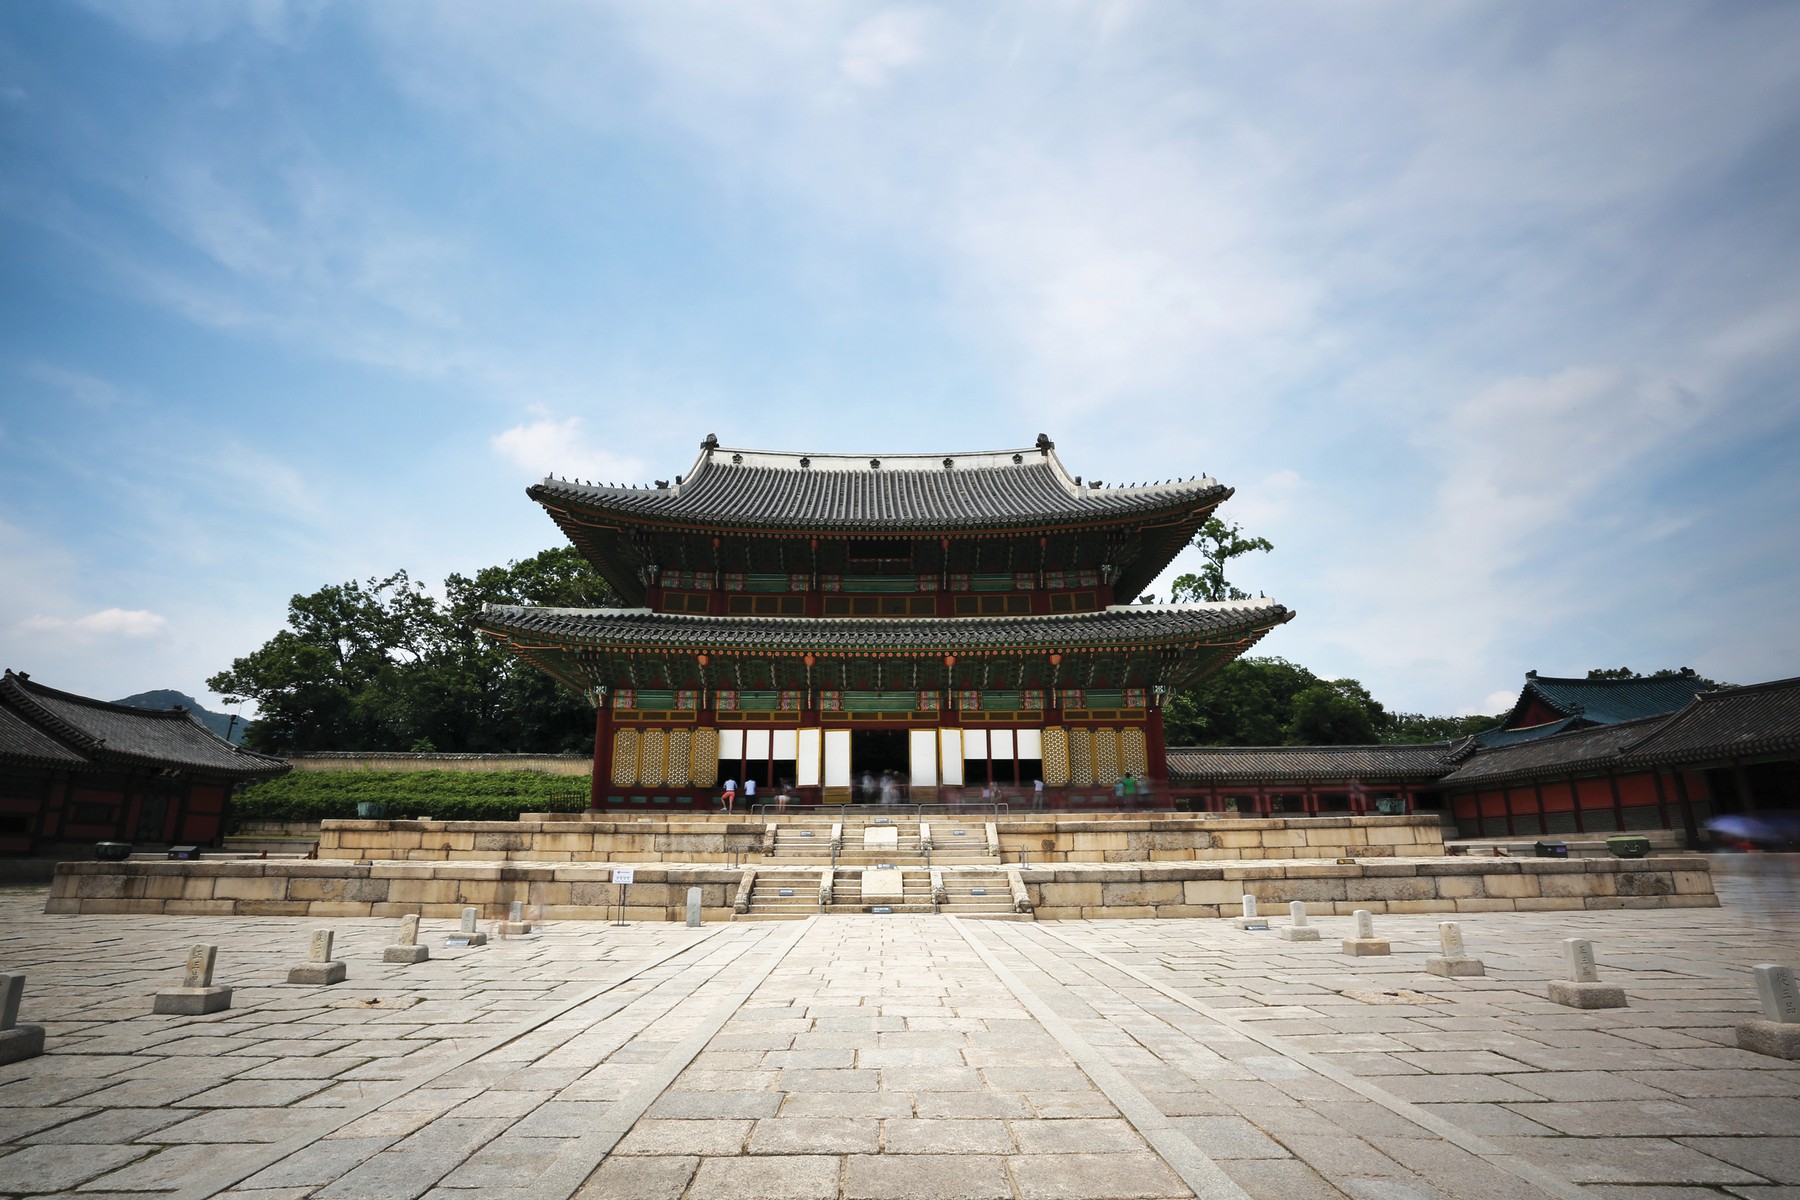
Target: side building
[(75, 769), (1572, 757), (821, 623)]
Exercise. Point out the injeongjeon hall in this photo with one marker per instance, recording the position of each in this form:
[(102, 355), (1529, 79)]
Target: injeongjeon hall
[(814, 622)]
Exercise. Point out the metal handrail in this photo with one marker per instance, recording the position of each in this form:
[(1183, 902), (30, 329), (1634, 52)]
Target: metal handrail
[(997, 808)]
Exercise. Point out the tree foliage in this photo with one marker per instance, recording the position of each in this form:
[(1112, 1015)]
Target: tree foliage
[(1274, 702), (1661, 673), (1218, 543), (382, 664)]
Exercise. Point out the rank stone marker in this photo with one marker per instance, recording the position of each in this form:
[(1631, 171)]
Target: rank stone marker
[(693, 908), (1455, 962), (1250, 920), (515, 922), (1365, 944), (468, 933), (319, 968), (1298, 930), (16, 1041), (1583, 989), (407, 949), (196, 995), (1778, 1035)]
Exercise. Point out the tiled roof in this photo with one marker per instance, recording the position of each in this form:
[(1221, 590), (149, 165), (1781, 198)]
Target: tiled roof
[(1207, 764), (1532, 733), (24, 744), (1740, 722), (1578, 752), (1120, 624), (782, 490), (103, 733), (1609, 701)]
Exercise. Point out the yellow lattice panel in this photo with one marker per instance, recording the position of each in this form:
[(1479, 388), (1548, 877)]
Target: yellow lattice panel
[(705, 757), (1134, 753), (652, 757), (1081, 758), (1056, 756), (625, 757), (681, 749), (1106, 756)]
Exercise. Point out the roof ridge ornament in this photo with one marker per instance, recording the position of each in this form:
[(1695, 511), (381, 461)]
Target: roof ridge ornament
[(711, 442)]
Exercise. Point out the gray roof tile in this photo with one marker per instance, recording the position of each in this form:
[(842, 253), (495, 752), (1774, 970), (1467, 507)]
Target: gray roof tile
[(1249, 764), (1742, 722), (100, 732), (774, 490), (1124, 623)]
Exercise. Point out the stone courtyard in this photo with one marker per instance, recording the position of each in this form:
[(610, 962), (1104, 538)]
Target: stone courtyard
[(874, 1057)]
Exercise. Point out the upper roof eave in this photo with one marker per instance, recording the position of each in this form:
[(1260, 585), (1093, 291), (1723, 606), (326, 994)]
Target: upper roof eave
[(1118, 624), (797, 492)]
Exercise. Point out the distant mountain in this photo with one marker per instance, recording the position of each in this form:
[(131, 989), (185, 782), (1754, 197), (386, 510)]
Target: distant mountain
[(165, 698)]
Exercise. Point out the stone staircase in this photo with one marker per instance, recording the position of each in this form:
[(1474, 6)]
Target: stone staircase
[(969, 893), (797, 855), (767, 903)]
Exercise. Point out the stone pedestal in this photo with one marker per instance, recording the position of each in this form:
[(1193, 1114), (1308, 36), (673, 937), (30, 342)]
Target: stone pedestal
[(319, 972), (514, 928), (1777, 1039), (470, 937), (883, 886), (192, 1001), (1250, 922), (1365, 947), (21, 1042), (1587, 995), (1297, 933), (405, 954), (1455, 968)]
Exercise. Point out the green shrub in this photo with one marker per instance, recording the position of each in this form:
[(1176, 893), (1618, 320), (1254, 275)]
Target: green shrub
[(441, 795)]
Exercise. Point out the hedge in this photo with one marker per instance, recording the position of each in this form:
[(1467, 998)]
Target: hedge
[(441, 795)]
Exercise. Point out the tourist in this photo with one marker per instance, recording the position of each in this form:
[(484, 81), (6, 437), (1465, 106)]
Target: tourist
[(1129, 783), (868, 786), (728, 802), (750, 792), (1037, 795)]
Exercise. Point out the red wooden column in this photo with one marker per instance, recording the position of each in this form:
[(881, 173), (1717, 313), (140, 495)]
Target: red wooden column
[(1157, 749), (603, 753)]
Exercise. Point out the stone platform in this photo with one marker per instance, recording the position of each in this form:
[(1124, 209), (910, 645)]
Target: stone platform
[(583, 891), (871, 1058)]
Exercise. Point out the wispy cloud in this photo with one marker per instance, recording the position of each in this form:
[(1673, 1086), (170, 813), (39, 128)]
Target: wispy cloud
[(107, 623), (547, 446)]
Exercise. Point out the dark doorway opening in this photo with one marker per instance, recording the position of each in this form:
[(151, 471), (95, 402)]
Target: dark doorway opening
[(874, 753)]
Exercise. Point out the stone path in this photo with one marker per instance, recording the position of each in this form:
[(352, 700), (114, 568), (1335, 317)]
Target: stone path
[(893, 1057)]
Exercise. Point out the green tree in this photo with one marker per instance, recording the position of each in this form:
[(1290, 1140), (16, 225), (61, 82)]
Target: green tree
[(383, 665), (1404, 728), (1334, 712), (1218, 543), (1663, 673), (1247, 702)]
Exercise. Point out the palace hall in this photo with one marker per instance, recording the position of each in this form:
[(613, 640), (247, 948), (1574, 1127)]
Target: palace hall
[(818, 622)]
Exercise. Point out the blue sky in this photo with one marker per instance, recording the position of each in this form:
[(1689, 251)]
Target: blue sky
[(1488, 311)]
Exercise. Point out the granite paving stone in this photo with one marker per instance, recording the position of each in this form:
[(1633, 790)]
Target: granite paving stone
[(1103, 1059)]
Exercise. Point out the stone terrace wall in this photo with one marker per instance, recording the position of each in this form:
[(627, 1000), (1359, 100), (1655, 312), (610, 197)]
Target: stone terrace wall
[(659, 893), (1187, 838), (1038, 838), (287, 888), (1418, 886), (551, 841)]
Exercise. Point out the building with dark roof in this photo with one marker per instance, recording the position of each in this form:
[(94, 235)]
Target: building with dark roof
[(78, 769), (1729, 750), (960, 620), (1548, 706)]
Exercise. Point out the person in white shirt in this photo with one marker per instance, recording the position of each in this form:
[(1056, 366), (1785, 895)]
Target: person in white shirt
[(749, 791), (728, 802)]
